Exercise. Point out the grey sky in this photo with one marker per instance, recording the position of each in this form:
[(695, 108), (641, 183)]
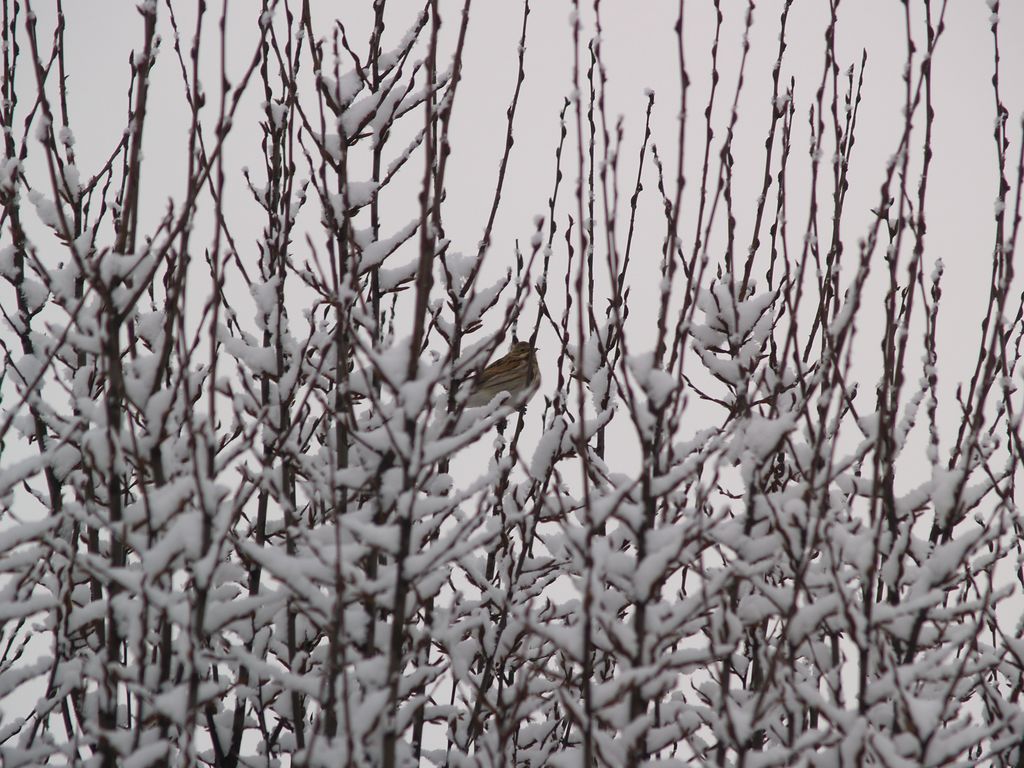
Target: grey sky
[(639, 51)]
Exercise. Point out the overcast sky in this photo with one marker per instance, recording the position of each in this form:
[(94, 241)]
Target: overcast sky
[(640, 52)]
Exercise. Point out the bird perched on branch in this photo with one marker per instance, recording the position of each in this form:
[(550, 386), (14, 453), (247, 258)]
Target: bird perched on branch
[(516, 373)]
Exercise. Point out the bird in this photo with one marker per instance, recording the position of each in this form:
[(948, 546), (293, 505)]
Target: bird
[(516, 373)]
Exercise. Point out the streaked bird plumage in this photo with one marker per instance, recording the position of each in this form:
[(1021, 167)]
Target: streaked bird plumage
[(516, 373)]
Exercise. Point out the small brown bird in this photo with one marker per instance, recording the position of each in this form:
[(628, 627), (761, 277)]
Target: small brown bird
[(516, 373)]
